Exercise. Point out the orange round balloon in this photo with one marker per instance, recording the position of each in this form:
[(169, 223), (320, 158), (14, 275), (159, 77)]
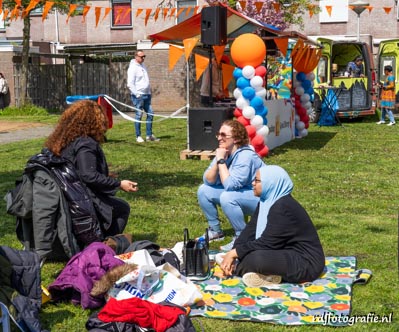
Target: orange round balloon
[(248, 50)]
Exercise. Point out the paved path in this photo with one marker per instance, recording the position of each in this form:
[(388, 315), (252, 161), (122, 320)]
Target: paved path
[(20, 131)]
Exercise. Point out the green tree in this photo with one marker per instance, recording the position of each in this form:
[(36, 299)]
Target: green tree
[(20, 11)]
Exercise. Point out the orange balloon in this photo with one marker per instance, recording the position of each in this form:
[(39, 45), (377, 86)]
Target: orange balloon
[(248, 50)]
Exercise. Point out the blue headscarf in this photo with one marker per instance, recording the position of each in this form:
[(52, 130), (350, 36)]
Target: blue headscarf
[(276, 183)]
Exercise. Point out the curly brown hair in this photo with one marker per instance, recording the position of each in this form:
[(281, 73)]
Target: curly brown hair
[(84, 118), (238, 131)]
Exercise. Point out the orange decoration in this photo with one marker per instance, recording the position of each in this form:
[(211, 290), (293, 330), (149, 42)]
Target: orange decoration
[(248, 50)]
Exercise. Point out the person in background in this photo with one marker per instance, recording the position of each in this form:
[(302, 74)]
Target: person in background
[(280, 243), (355, 68), (387, 101), (218, 93), (138, 83), (77, 137), (227, 182), (3, 91)]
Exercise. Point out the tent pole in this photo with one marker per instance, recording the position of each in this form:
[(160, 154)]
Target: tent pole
[(210, 78), (188, 99)]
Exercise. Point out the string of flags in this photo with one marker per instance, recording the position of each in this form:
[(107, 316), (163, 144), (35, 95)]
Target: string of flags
[(171, 13)]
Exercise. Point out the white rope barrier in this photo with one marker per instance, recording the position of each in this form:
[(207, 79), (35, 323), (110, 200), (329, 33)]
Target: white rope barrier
[(174, 115)]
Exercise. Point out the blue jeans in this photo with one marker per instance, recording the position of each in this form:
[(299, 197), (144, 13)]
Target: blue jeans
[(235, 205), (143, 104), (385, 111)]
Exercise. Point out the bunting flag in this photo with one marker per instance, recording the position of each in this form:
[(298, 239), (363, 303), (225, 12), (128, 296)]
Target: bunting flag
[(329, 10), (107, 11), (46, 9), (97, 11), (72, 8), (258, 5), (139, 12), (14, 13), (196, 10), (175, 53), (84, 14), (276, 7), (227, 74), (127, 12), (189, 44), (118, 15), (219, 50), (201, 63), (243, 4), (156, 14), (179, 12), (165, 13), (188, 10), (147, 15), (172, 12), (311, 9), (31, 5), (282, 44), (369, 8), (18, 2), (387, 9)]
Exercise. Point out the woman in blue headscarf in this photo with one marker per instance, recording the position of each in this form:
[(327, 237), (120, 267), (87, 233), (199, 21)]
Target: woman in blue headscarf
[(280, 243)]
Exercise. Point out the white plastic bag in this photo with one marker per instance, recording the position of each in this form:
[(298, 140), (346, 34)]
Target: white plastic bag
[(140, 257)]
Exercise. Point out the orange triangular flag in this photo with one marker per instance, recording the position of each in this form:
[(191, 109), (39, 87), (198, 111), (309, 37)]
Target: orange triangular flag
[(32, 4), (243, 4), (369, 8), (138, 12), (282, 44), (14, 13), (189, 44), (179, 12), (5, 14), (1, 10), (227, 74), (107, 10), (387, 9), (147, 15), (127, 12), (329, 10), (188, 10), (97, 11), (172, 12), (165, 12), (311, 10), (175, 53), (46, 9), (201, 63), (84, 14), (258, 5), (72, 8), (219, 50), (276, 6), (196, 10), (18, 2), (156, 41), (156, 13)]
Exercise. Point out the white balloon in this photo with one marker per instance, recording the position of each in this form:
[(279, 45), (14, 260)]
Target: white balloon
[(248, 112), (264, 131), (307, 105), (305, 97), (256, 82), (237, 93), (261, 93), (257, 121), (300, 125), (297, 83), (297, 118), (303, 132), (310, 76), (241, 102), (248, 72), (299, 91)]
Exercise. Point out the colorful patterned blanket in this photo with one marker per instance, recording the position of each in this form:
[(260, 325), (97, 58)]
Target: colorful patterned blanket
[(326, 301)]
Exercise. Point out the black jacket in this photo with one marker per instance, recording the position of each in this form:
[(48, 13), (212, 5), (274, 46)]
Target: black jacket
[(89, 160)]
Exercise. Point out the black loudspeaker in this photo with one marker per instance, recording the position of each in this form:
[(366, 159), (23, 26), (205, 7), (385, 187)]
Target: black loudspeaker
[(203, 124), (214, 25)]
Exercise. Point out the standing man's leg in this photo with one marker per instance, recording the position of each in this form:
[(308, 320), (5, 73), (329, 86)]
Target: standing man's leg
[(138, 105), (148, 109)]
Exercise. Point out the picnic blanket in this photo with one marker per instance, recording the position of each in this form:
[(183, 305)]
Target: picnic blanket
[(325, 301)]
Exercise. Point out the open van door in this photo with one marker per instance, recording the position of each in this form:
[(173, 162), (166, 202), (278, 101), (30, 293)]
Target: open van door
[(356, 95), (388, 54)]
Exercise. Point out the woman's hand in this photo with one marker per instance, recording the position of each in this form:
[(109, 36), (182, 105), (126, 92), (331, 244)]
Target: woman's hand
[(129, 186), (228, 263)]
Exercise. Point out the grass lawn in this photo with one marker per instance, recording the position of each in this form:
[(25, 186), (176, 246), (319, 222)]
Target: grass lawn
[(346, 178)]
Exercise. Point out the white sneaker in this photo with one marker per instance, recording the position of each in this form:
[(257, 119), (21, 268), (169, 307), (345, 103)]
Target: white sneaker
[(139, 139), (380, 122), (229, 246), (391, 124), (252, 279)]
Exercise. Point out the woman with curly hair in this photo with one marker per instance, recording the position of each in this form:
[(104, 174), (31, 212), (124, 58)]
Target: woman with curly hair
[(228, 181), (77, 138)]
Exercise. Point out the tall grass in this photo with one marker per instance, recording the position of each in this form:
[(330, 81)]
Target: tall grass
[(345, 176)]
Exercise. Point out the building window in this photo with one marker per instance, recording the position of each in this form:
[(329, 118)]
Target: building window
[(184, 4), (339, 11), (121, 13)]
